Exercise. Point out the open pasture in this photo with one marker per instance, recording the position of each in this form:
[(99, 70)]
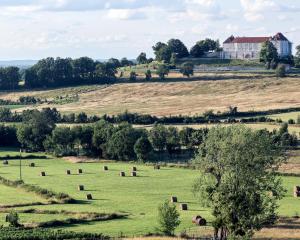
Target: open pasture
[(205, 91), (136, 197)]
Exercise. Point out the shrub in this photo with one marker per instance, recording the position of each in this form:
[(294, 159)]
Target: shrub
[(280, 71), (13, 219), (291, 121), (168, 218), (132, 76)]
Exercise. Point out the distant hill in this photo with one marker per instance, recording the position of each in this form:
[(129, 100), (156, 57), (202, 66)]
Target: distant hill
[(18, 63)]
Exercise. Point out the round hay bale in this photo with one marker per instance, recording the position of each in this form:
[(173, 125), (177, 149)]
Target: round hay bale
[(297, 191), (184, 207), (32, 164), (156, 167), (68, 172), (89, 197), (195, 219), (122, 174), (174, 199), (133, 174), (134, 169), (80, 171), (42, 174), (201, 222), (5, 162), (81, 188), (105, 168)]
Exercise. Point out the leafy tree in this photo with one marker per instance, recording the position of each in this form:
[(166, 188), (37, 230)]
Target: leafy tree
[(5, 114), (125, 62), (115, 62), (280, 71), (120, 145), (269, 54), (81, 118), (173, 59), (168, 218), (162, 52), (9, 78), (177, 47), (208, 45), (32, 133), (143, 148), (172, 140), (162, 71), (102, 132), (239, 181), (148, 75), (187, 69), (8, 136), (197, 51), (158, 137), (142, 58)]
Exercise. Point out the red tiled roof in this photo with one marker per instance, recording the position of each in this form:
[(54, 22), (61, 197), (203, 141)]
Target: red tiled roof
[(277, 37), (250, 39)]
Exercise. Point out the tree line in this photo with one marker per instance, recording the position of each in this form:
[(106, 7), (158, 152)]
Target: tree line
[(104, 139)]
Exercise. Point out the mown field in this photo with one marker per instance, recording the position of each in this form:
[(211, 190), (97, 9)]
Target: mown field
[(137, 198), (177, 95)]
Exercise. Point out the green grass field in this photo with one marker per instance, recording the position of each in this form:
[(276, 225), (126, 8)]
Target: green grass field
[(137, 197)]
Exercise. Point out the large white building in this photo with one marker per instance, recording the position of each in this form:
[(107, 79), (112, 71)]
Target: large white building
[(249, 47)]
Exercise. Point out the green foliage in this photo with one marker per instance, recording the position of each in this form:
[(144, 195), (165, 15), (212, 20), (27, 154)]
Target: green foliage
[(158, 137), (45, 234), (197, 51), (132, 76), (168, 218), (32, 134), (177, 47), (13, 219), (298, 119), (148, 75), (142, 58), (172, 140), (208, 45), (162, 71), (269, 55), (239, 180), (280, 71), (187, 69), (143, 148), (9, 78)]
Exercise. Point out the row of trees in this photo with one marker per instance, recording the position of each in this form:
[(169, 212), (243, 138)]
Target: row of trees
[(9, 78), (175, 49)]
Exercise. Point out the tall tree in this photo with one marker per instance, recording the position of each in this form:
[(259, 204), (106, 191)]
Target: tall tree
[(197, 51), (239, 180), (269, 54), (162, 52), (177, 47), (142, 58)]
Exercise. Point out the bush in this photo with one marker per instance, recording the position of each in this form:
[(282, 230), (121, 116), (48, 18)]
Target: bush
[(280, 71), (132, 76), (291, 121), (168, 218), (13, 219)]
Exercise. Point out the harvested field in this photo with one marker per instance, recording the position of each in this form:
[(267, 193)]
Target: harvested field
[(173, 97)]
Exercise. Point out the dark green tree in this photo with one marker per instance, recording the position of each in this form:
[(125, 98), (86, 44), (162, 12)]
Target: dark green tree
[(177, 47), (269, 54), (162, 71), (143, 148), (142, 58), (148, 75), (239, 181), (158, 137), (187, 69), (197, 51)]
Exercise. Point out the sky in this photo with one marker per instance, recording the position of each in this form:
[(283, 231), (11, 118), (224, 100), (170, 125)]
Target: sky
[(34, 29)]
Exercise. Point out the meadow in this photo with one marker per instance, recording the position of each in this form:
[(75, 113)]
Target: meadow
[(135, 197)]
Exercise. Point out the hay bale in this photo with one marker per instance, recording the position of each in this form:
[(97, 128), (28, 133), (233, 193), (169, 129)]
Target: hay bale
[(80, 171), (133, 174), (42, 174), (134, 169), (5, 162), (297, 191), (68, 172), (81, 188), (156, 167), (200, 221), (122, 174), (174, 199), (32, 164), (89, 197), (184, 207), (105, 168)]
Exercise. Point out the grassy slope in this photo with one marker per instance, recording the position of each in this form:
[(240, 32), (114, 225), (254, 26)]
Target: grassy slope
[(138, 197), (247, 91)]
